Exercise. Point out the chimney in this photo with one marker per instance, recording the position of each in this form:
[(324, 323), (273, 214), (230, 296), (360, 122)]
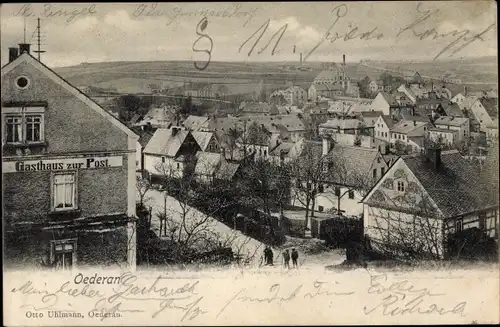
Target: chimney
[(414, 123), (13, 53), (343, 59), (175, 130), (24, 47), (434, 156)]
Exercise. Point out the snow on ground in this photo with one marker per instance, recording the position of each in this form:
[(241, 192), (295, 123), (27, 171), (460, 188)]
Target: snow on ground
[(242, 244), (311, 251)]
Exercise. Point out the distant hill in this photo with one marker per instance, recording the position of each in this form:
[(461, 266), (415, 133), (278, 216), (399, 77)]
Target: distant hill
[(242, 77)]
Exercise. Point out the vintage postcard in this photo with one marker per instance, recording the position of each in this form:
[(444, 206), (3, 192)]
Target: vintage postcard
[(250, 163)]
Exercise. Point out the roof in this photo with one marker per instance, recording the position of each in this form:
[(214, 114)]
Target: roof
[(354, 162), (443, 130), (389, 98), (160, 116), (26, 57), (454, 186), (227, 170), (491, 106), (388, 120), (328, 87), (194, 123), (164, 142), (452, 109), (257, 107), (450, 121), (405, 127), (207, 163), (342, 123), (144, 136), (202, 138), (489, 174), (291, 123)]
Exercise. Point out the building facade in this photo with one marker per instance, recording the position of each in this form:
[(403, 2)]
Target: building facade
[(69, 174)]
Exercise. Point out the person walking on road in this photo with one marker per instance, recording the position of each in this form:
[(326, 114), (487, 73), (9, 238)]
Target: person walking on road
[(295, 257), (286, 258)]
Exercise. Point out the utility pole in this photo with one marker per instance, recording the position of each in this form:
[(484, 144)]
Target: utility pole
[(39, 51)]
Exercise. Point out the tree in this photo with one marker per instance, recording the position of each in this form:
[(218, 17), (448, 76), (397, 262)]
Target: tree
[(309, 172), (192, 232), (128, 105), (143, 186), (187, 105)]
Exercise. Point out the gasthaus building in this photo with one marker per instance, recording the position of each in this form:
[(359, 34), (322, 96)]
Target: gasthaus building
[(68, 173)]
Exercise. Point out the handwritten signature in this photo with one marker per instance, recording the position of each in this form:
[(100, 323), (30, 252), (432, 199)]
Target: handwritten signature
[(462, 38), (401, 297), (52, 11), (105, 306)]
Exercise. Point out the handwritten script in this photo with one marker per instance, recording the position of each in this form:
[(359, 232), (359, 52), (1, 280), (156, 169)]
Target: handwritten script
[(455, 40), (403, 298)]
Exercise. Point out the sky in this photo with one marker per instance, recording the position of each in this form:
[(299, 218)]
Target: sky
[(321, 31)]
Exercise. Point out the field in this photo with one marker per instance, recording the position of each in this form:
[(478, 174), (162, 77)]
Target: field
[(245, 77)]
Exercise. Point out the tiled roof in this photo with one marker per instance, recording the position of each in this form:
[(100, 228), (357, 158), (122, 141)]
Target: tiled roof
[(352, 163), (227, 170), (450, 121), (489, 175), (389, 98), (491, 106), (454, 186), (405, 127), (144, 137), (207, 163), (291, 122), (452, 109), (194, 123), (443, 130), (342, 123), (164, 142), (388, 120), (203, 139)]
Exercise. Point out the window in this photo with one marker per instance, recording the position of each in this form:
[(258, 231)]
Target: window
[(33, 128), (320, 208), (337, 191), (22, 82), (178, 165), (351, 194), (21, 127), (382, 171), (162, 159), (375, 173), (64, 192), (14, 129), (401, 186), (459, 225), (63, 254)]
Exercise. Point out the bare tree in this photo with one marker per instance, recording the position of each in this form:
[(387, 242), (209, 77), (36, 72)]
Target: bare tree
[(143, 186), (309, 172)]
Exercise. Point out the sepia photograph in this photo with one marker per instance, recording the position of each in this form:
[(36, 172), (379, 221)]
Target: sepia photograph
[(250, 163)]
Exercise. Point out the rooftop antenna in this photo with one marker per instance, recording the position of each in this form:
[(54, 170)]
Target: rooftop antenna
[(24, 39), (39, 51)]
